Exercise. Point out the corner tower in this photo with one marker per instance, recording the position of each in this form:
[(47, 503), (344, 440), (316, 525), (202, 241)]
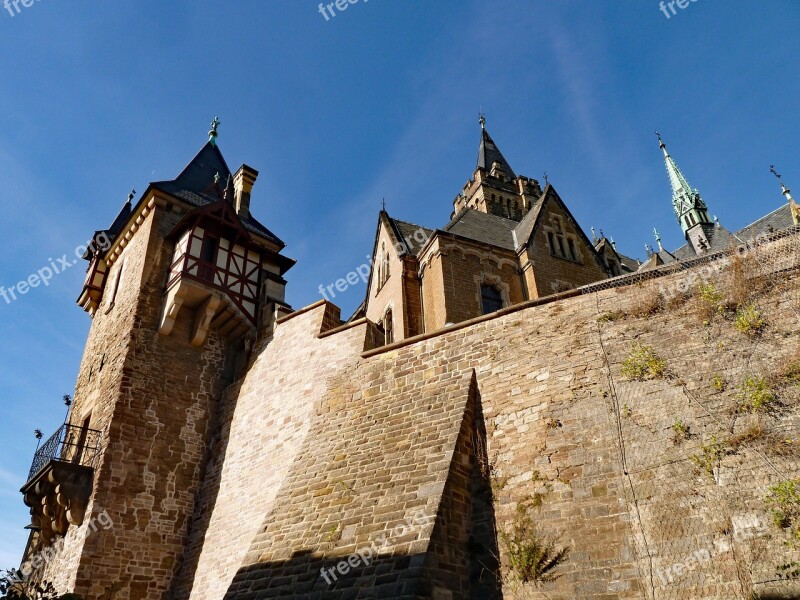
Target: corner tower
[(179, 288)]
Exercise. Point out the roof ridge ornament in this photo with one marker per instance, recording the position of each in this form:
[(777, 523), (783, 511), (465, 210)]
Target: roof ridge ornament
[(482, 120), (212, 135)]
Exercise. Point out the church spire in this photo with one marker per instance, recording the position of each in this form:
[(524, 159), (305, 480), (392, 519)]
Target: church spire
[(489, 153), (690, 210)]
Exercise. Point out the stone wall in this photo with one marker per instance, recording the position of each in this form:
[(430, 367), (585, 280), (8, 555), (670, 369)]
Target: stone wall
[(593, 456)]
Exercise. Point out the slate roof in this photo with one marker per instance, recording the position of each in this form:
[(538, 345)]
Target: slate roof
[(719, 239), (777, 220), (489, 153), (195, 186), (483, 227), (408, 233)]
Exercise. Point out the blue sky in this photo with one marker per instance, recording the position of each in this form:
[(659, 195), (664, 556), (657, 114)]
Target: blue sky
[(380, 101)]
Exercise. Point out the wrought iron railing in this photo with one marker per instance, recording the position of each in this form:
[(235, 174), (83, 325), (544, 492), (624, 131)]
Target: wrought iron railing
[(70, 444)]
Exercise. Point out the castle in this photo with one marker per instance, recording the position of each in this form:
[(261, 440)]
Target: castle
[(235, 448)]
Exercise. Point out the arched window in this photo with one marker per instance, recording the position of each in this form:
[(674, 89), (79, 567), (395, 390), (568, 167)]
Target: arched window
[(491, 299), (388, 327)]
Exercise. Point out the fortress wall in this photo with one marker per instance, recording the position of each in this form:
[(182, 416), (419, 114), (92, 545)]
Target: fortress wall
[(264, 423), (593, 454)]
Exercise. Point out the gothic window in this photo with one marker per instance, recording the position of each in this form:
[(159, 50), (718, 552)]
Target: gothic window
[(551, 242), (388, 327), (572, 254), (385, 268), (491, 299)]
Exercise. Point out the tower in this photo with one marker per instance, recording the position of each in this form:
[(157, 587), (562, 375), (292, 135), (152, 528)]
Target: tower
[(690, 209), (494, 187), (180, 287)]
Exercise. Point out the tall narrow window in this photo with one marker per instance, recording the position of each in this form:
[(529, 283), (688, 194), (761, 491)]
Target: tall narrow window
[(491, 299), (571, 245), (388, 327), (209, 250), (118, 280), (551, 242), (561, 245)]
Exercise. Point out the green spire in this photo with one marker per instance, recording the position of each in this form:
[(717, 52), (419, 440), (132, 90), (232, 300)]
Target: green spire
[(690, 209)]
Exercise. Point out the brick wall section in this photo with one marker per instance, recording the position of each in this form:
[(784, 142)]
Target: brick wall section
[(549, 270), (266, 422), (375, 458), (463, 267)]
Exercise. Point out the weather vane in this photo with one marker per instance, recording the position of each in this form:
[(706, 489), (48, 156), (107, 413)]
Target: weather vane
[(774, 172)]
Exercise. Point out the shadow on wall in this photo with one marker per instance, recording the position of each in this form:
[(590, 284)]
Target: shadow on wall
[(459, 562)]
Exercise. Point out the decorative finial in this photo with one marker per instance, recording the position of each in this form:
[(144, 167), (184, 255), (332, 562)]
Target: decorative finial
[(131, 196), (716, 220), (546, 179), (229, 191), (594, 235), (602, 235), (482, 120), (67, 400), (658, 238), (217, 177), (383, 204), (784, 190), (212, 135), (38, 433), (613, 243), (648, 249)]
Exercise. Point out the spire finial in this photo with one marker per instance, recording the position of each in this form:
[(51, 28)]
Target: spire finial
[(383, 204), (217, 177), (784, 189), (482, 120), (602, 235), (658, 238), (594, 235), (132, 195), (546, 179), (212, 135), (613, 243), (661, 144)]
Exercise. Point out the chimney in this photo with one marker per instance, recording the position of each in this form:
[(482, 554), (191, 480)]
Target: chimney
[(243, 184)]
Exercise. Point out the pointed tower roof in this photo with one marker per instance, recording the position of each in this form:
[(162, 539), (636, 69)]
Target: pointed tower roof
[(489, 153), (200, 172), (681, 190)]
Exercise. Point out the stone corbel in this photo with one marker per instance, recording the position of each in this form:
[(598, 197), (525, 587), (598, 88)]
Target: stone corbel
[(172, 306), (203, 317)]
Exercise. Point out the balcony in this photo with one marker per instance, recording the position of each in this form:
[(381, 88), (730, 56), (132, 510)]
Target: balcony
[(60, 481), (218, 280)]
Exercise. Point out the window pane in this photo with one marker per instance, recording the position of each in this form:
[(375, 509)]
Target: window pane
[(492, 300)]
